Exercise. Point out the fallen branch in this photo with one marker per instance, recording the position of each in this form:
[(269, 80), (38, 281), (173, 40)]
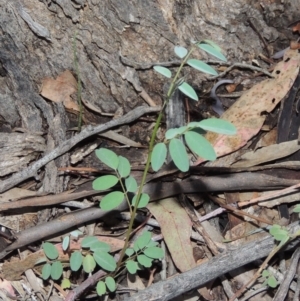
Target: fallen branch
[(31, 171), (217, 266)]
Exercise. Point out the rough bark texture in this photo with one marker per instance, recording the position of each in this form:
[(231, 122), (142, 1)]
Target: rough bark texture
[(117, 44), (37, 42)]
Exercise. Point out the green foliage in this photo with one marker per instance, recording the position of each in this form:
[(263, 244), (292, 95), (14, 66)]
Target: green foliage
[(270, 280), (212, 51), (112, 200), (279, 233), (105, 182), (180, 51), (108, 157), (163, 71), (110, 283), (297, 208), (132, 266), (201, 66), (159, 156), (56, 270), (66, 242), (199, 145), (46, 271), (50, 250), (65, 283), (105, 260), (144, 250), (131, 184), (76, 260), (101, 288), (188, 90), (144, 200), (179, 155)]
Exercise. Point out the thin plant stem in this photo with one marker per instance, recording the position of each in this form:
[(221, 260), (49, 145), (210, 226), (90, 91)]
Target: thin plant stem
[(79, 88), (151, 146)]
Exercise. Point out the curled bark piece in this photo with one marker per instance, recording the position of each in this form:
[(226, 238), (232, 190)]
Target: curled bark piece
[(218, 106)]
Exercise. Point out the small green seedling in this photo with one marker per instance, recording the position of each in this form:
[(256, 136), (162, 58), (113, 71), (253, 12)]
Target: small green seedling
[(270, 280)]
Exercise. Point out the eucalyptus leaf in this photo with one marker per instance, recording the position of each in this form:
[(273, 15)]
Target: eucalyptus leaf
[(188, 91)]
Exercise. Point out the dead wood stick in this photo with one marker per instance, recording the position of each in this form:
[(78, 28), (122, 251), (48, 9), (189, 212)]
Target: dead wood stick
[(31, 171), (156, 191), (217, 266)]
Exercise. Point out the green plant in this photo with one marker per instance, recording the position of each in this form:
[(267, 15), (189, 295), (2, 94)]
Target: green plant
[(270, 280), (144, 250)]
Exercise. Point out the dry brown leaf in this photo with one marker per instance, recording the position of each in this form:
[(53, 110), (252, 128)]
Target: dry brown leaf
[(267, 154), (176, 228), (60, 90), (247, 113)]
